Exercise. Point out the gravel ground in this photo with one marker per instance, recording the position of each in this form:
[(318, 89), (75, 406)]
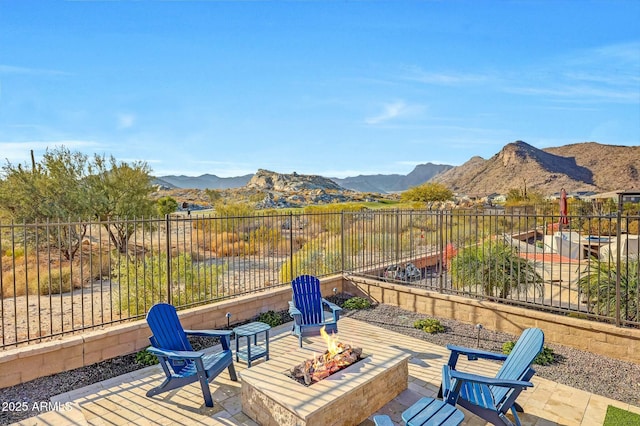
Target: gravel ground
[(612, 378)]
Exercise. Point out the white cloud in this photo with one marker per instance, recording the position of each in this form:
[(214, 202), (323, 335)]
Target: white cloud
[(126, 121), (415, 73), (391, 111), (11, 69)]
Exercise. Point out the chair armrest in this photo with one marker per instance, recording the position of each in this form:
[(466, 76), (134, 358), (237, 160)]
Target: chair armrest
[(489, 381), (332, 306), (208, 333), (293, 310), (177, 355), (474, 354)]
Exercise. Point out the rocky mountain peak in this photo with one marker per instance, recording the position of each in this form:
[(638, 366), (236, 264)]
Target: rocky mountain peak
[(272, 181), (517, 152), (579, 167)]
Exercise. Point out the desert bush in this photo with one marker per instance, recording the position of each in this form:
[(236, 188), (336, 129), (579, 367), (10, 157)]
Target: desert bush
[(145, 357), (495, 268), (600, 226), (319, 256), (545, 357), (266, 239), (599, 284), (233, 217), (272, 318), (429, 325), (224, 243), (143, 282), (27, 276), (357, 303)]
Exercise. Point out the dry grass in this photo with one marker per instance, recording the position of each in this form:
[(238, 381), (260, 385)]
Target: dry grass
[(34, 274)]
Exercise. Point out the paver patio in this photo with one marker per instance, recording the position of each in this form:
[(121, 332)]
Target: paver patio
[(122, 400)]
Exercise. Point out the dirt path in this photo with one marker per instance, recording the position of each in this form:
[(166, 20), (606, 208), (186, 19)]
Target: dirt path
[(28, 317)]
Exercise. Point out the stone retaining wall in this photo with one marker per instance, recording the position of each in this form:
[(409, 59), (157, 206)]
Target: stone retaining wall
[(596, 337), (25, 363)]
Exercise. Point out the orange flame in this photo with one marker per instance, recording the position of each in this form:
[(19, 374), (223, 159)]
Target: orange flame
[(332, 343)]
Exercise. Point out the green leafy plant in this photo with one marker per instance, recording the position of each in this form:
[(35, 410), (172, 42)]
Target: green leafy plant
[(146, 358), (429, 325), (357, 303), (545, 357), (272, 318), (599, 285), (143, 282), (496, 268)]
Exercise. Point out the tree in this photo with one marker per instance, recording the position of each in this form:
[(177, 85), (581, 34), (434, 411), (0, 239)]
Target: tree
[(496, 268), (120, 191), (66, 186), (427, 192), (54, 189), (167, 205)]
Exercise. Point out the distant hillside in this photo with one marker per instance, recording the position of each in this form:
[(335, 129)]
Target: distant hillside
[(578, 167), (205, 181), (268, 180), (394, 182), (363, 183), (614, 167), (267, 190)]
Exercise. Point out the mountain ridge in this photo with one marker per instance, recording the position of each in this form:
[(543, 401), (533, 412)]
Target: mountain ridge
[(578, 167)]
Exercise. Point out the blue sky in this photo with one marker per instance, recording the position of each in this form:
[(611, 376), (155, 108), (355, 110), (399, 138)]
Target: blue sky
[(336, 88)]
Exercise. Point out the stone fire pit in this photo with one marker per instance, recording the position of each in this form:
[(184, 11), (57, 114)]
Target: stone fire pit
[(271, 397)]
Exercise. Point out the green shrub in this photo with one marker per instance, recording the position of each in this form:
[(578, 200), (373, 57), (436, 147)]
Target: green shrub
[(272, 318), (143, 282), (319, 256), (146, 358), (545, 357), (429, 325), (496, 268), (356, 303)]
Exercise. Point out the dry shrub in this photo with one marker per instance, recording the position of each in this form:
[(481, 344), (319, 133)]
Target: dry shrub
[(238, 248), (633, 227), (208, 241), (600, 227), (24, 276), (267, 240)]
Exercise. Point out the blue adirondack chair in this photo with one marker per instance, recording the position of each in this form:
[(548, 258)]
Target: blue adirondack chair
[(181, 364), (307, 308), (492, 397)]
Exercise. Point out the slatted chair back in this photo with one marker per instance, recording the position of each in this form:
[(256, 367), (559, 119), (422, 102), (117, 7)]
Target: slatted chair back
[(168, 333), (517, 366), (308, 298)]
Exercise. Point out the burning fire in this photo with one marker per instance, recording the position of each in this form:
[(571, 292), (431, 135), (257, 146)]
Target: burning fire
[(333, 346), (335, 358)]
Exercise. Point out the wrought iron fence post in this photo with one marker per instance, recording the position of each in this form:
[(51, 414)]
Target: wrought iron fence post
[(342, 241), (440, 225), (397, 236), (168, 247), (618, 257), (291, 244)]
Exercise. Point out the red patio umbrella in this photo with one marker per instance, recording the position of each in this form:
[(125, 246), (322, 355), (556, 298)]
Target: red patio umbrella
[(564, 210)]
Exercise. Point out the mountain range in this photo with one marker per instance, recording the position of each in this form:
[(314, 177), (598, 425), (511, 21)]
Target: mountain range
[(580, 167)]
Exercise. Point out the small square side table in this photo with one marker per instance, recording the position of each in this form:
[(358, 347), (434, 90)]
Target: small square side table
[(250, 353)]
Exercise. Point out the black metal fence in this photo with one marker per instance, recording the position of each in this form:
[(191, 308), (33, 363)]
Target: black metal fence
[(60, 278)]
